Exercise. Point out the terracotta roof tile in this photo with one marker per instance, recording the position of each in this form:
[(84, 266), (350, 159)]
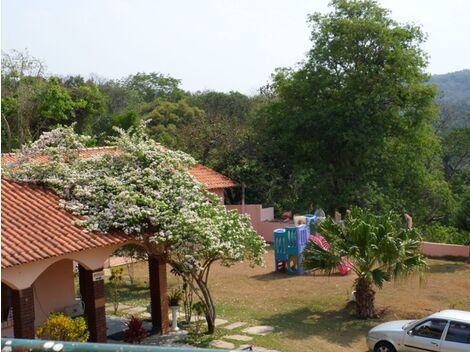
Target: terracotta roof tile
[(211, 178), (34, 227)]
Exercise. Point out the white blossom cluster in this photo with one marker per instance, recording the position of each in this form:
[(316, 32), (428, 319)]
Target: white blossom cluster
[(144, 189)]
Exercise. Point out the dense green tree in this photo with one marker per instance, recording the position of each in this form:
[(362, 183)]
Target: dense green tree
[(22, 82), (90, 107), (352, 124), (151, 86), (168, 123), (55, 104), (457, 152)]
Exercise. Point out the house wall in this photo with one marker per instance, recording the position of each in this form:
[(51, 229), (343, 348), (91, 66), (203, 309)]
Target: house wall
[(262, 219), (53, 290), (52, 279), (220, 193)]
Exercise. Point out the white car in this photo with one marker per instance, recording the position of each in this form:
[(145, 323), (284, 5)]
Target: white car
[(446, 331)]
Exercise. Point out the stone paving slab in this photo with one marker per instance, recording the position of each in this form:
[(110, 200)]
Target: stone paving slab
[(257, 348), (121, 306), (238, 337), (135, 310), (236, 325), (259, 330), (222, 344), (219, 322)]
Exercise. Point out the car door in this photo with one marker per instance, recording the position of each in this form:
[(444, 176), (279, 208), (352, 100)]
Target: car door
[(457, 338), (426, 336)]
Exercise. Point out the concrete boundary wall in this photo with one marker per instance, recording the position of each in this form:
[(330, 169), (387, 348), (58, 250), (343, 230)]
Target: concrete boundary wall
[(264, 224), (436, 250)]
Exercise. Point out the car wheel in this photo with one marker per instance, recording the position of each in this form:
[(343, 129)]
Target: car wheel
[(384, 346)]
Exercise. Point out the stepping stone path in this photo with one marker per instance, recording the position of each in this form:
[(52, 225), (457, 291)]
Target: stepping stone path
[(259, 330), (219, 322), (120, 307), (257, 349), (236, 325), (238, 337), (222, 344), (136, 310)]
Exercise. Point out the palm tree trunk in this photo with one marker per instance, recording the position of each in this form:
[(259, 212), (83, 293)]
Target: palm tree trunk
[(365, 297)]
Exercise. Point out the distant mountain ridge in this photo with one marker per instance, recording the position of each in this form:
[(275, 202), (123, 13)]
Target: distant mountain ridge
[(454, 97)]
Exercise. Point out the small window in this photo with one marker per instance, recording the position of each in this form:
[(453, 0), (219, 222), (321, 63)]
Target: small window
[(458, 332), (431, 329)]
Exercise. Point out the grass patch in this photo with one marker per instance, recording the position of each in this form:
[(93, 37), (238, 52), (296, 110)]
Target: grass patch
[(312, 312)]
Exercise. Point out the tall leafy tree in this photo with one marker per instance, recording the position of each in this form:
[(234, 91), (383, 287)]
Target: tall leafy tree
[(352, 124)]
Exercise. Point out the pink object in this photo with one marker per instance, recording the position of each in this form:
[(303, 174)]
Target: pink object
[(320, 241), (344, 267)]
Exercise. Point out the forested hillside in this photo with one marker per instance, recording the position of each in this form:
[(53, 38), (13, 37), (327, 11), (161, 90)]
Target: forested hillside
[(454, 97), (355, 124)]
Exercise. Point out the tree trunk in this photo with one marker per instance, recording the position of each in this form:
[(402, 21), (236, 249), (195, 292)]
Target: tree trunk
[(365, 297), (209, 308)]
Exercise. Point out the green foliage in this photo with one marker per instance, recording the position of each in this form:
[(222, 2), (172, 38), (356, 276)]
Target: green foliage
[(116, 282), (454, 99), (168, 123), (60, 327), (151, 86), (353, 122), (175, 296), (462, 215), (379, 248), (445, 234), (55, 104)]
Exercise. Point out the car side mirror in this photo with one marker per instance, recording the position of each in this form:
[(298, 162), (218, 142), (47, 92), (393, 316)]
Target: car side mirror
[(410, 332)]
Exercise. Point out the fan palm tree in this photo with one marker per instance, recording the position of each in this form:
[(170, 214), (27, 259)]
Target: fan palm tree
[(378, 248)]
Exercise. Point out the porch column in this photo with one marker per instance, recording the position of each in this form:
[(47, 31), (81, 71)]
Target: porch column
[(23, 313), (92, 292), (158, 294)]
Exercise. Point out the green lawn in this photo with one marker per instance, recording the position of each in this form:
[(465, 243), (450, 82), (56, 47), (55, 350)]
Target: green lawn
[(313, 312)]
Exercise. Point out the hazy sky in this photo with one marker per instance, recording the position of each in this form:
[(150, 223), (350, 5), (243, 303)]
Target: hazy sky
[(208, 44)]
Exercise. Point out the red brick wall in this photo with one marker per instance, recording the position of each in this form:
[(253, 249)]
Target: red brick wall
[(23, 313)]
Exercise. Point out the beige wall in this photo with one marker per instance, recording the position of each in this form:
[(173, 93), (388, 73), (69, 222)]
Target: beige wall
[(22, 276), (52, 280), (53, 290), (258, 216)]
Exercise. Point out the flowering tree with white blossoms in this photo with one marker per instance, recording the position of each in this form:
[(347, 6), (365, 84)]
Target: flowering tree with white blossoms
[(146, 191)]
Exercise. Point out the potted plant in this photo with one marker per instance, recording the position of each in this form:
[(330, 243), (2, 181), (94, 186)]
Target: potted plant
[(174, 298)]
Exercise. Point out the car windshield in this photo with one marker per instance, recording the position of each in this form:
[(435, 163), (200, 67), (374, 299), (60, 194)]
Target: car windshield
[(407, 325)]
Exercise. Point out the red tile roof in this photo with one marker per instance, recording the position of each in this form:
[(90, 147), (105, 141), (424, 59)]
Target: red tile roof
[(34, 227), (212, 179)]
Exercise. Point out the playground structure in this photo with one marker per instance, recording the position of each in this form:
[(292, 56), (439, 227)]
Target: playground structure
[(290, 242)]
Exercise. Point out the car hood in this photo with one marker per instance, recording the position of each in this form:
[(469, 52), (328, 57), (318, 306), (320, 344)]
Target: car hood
[(396, 325)]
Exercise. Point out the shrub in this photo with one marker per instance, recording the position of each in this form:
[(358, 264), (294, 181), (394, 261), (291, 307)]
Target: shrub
[(135, 332), (63, 328), (116, 281), (175, 296), (445, 234)]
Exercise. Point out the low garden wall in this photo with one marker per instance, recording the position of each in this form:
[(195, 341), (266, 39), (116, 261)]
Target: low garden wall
[(436, 250), (263, 222)]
